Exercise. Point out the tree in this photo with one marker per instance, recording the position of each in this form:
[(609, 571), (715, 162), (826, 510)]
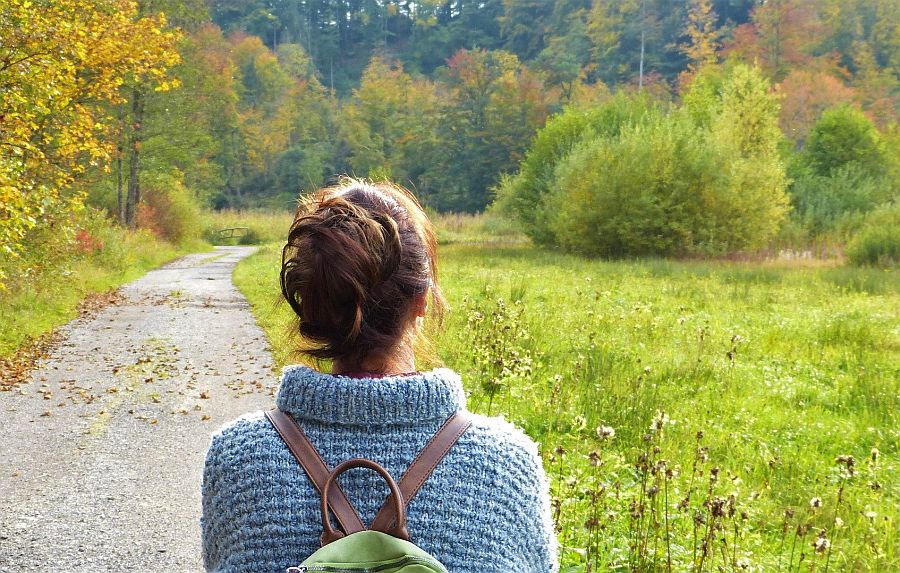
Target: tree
[(703, 36), (805, 94), (491, 109), (782, 36), (58, 60)]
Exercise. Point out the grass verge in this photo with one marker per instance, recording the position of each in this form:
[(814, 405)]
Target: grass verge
[(50, 280)]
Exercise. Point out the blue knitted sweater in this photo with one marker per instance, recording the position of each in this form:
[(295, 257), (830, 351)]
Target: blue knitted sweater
[(485, 508)]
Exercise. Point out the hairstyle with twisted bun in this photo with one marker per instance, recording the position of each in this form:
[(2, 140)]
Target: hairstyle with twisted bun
[(359, 258)]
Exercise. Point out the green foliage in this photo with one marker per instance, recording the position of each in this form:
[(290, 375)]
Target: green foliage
[(878, 242), (843, 136), (523, 194), (630, 179), (823, 204), (169, 210)]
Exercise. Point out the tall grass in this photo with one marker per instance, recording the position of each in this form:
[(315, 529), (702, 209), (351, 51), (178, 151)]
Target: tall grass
[(252, 227), (692, 415)]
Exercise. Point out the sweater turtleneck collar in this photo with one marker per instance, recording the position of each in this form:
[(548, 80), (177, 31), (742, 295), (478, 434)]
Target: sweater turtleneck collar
[(312, 395)]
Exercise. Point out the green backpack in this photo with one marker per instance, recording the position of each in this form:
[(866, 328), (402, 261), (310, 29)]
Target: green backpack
[(385, 547)]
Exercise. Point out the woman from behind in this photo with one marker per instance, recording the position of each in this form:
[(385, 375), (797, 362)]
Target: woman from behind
[(359, 270)]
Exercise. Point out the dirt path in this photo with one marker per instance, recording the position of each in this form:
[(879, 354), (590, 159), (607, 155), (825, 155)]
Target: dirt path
[(101, 452)]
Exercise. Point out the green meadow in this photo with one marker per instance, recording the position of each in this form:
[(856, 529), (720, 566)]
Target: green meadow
[(711, 416)]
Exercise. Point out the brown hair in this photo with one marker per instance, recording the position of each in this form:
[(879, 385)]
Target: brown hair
[(358, 257)]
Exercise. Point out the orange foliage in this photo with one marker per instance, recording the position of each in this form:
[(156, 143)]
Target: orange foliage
[(805, 95)]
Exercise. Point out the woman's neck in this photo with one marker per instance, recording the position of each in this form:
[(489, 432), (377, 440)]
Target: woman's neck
[(401, 361)]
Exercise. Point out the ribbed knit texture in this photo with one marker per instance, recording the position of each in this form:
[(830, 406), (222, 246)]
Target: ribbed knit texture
[(485, 508)]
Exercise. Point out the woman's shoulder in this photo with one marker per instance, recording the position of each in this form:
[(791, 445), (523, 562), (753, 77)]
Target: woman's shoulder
[(499, 439), (242, 434)]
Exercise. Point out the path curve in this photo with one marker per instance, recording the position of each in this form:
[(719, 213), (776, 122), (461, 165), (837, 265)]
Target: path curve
[(101, 451)]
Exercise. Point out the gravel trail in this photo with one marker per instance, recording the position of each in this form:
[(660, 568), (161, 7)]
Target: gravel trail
[(101, 451)]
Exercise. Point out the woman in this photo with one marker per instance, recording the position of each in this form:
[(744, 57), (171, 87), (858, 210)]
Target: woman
[(359, 270)]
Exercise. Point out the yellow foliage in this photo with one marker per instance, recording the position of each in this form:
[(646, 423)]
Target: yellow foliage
[(60, 60)]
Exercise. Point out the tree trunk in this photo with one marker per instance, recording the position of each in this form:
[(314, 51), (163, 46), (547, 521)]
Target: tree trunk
[(134, 188), (641, 71), (120, 149)]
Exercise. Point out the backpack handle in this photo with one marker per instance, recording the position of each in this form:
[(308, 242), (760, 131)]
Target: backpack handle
[(398, 528)]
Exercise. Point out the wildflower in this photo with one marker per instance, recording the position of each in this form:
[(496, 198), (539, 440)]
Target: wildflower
[(838, 522), (815, 502), (821, 543), (846, 460), (594, 456), (571, 481), (743, 563), (659, 421), (646, 370), (579, 423), (605, 432), (871, 514)]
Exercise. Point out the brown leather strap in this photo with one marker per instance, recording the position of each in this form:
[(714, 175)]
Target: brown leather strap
[(421, 467), (316, 469), (399, 530)]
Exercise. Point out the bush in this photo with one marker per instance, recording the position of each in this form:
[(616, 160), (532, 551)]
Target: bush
[(878, 242), (627, 179), (825, 203), (523, 195), (169, 210), (660, 189), (844, 135)]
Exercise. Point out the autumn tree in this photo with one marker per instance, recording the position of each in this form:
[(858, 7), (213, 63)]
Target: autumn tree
[(57, 61), (702, 35), (805, 94)]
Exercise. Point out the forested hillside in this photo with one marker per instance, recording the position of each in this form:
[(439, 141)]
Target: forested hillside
[(154, 109)]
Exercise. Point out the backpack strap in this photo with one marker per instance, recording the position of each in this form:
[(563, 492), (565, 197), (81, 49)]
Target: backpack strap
[(422, 466), (316, 469)]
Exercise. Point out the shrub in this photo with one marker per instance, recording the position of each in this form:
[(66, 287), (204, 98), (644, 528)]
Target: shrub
[(844, 135), (824, 203), (878, 242), (169, 210), (626, 178), (523, 194), (661, 189)]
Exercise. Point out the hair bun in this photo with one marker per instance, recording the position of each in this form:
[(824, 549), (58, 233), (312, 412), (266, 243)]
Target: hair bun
[(355, 261)]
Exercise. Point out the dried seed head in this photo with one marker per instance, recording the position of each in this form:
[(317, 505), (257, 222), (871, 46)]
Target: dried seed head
[(875, 453), (815, 502), (821, 543), (605, 432)]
